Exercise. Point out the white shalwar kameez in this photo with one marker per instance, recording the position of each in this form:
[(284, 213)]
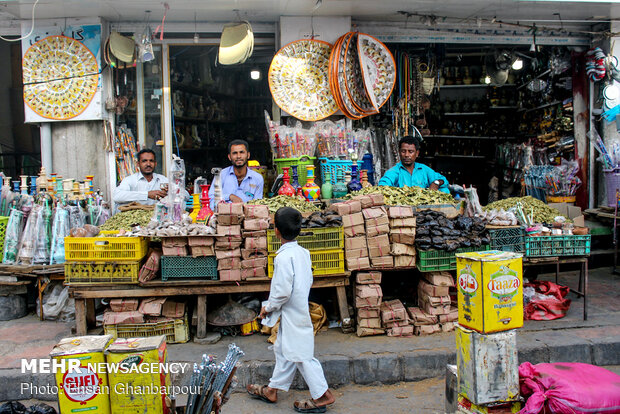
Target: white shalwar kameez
[(294, 347)]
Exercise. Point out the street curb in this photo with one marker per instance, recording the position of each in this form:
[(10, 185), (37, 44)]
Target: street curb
[(371, 368)]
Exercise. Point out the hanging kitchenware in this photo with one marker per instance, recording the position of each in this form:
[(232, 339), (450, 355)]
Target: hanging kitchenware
[(378, 68)]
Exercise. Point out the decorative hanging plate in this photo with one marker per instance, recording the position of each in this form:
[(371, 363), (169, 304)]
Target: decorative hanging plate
[(299, 80), (378, 69), (354, 79), (350, 110), (333, 74), (60, 77)]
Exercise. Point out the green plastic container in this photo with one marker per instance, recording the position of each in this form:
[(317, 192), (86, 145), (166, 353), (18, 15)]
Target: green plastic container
[(440, 260)]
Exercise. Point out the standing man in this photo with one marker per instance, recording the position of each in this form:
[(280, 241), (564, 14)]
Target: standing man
[(410, 173), (239, 183), (144, 187)]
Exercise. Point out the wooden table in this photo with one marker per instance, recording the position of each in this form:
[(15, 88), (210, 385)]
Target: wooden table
[(199, 288), (582, 289)]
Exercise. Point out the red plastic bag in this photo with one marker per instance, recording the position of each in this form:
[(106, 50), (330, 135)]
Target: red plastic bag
[(569, 388), (554, 307)]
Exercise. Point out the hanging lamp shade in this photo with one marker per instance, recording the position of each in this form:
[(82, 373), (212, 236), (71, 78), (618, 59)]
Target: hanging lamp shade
[(236, 43), (122, 47)]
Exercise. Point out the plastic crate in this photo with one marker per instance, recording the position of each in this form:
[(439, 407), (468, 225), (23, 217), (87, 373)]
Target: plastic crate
[(300, 162), (335, 166), (93, 249), (177, 267), (440, 260), (83, 273), (321, 238), (4, 220), (176, 330), (509, 239), (550, 246), (324, 262)]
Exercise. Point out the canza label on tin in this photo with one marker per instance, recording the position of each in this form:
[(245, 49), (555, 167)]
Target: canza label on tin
[(504, 284), (81, 386), (467, 281)]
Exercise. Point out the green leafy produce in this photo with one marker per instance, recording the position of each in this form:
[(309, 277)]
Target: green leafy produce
[(274, 203), (124, 220), (542, 212), (406, 196)]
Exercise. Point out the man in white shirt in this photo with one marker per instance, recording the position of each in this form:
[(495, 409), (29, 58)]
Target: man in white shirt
[(144, 187)]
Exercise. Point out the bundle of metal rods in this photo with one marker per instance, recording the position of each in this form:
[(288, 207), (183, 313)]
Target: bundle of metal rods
[(213, 382)]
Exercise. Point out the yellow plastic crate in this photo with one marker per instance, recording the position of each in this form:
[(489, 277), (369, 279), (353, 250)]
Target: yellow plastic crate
[(176, 330), (84, 273), (324, 262), (313, 239), (92, 249)]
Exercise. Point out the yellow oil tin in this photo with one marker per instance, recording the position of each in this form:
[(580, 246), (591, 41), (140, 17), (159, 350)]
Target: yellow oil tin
[(490, 290), (140, 385), (85, 389)]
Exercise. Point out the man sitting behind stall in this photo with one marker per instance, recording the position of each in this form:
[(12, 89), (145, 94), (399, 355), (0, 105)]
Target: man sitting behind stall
[(239, 183), (143, 187), (410, 173)]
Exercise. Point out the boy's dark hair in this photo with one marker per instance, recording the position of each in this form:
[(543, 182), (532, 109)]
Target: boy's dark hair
[(409, 140), (239, 142), (146, 151), (288, 222)]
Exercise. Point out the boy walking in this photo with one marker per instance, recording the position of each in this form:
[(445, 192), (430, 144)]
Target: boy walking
[(294, 347)]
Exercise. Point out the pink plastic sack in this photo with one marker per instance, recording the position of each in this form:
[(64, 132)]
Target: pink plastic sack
[(569, 388)]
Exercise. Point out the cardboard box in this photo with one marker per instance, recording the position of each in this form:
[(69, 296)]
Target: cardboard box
[(256, 224), (357, 230), (374, 213), (403, 222), (347, 207), (382, 240), (255, 211), (404, 261), (401, 331), (426, 329), (257, 262), (369, 322), (229, 230), (393, 310), (397, 323), (253, 233), (256, 243), (400, 212), (439, 278), (369, 331), (220, 245), (369, 312), (432, 290), (231, 209), (200, 241), (230, 263), (174, 251), (370, 200), (226, 254), (173, 241), (201, 251), (253, 272), (402, 237), (368, 278), (419, 317), (377, 222), (230, 275), (453, 316), (355, 253), (435, 300), (380, 251), (399, 249), (382, 262), (570, 211), (173, 309), (351, 220), (222, 240), (447, 326), (372, 231), (490, 290), (358, 264), (253, 254), (355, 243), (151, 306), (368, 296), (117, 318), (433, 310), (123, 305), (228, 220)]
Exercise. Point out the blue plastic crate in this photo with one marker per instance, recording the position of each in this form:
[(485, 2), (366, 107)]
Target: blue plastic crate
[(334, 166)]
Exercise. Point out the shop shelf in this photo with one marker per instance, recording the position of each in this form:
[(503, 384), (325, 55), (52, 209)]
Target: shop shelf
[(94, 249), (313, 239), (177, 267), (300, 162), (335, 166), (441, 260), (324, 262), (508, 239), (549, 246), (176, 330), (86, 273), (4, 220)]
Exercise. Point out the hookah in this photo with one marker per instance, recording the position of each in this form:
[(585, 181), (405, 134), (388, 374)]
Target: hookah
[(24, 184), (286, 188), (198, 182), (205, 213), (33, 185), (217, 186), (295, 181)]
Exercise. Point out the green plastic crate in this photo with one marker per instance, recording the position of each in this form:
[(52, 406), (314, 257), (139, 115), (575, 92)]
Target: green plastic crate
[(551, 246), (440, 260), (301, 164), (313, 239), (179, 267), (3, 222), (510, 239)]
